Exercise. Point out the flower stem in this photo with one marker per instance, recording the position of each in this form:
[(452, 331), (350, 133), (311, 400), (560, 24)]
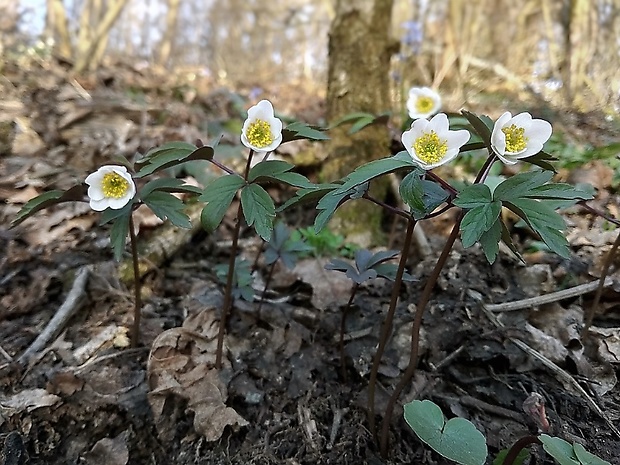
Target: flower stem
[(417, 321), (267, 282), (231, 271), (343, 320), (137, 284), (386, 328), (415, 333), (513, 453)]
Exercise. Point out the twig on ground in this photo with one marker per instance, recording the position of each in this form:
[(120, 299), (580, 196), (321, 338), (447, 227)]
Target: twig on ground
[(547, 298), (68, 308), (559, 372), (5, 354)]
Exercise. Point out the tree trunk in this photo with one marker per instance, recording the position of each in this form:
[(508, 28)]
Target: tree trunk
[(358, 80), (86, 50), (57, 28), (167, 42)]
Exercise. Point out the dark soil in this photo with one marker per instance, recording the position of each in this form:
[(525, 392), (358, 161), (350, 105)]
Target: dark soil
[(282, 369)]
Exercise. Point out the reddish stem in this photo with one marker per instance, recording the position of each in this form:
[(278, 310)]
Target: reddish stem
[(137, 284)]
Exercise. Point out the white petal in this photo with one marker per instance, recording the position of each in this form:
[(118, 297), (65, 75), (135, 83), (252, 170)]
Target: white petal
[(95, 192), (507, 159), (498, 138), (438, 123), (522, 120), (540, 131), (456, 139), (98, 205)]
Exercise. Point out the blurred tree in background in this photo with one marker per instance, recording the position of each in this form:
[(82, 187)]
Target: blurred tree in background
[(566, 51)]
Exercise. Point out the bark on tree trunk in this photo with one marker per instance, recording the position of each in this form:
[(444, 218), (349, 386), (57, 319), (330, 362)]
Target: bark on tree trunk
[(358, 80), (167, 42)]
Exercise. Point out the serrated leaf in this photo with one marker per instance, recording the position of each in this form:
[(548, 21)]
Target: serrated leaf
[(327, 206), (473, 196), (268, 168), (489, 240), (47, 199), (172, 157), (375, 169), (542, 160), (361, 124), (166, 205), (521, 184), (109, 214), (218, 195), (456, 439), (472, 146), (308, 194), (421, 195), (507, 239), (118, 234), (559, 191), (298, 131), (258, 209), (544, 221), (168, 185), (477, 221), (294, 179), (483, 127)]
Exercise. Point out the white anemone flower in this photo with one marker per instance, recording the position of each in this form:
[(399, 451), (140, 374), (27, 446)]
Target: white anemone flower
[(423, 102), (432, 143), (520, 136), (111, 186), (262, 131)]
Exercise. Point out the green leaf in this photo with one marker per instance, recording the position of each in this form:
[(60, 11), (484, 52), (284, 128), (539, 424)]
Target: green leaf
[(541, 159), (519, 460), (456, 439), (118, 234), (166, 205), (47, 199), (521, 184), (293, 179), (482, 125), (298, 131), (110, 214), (489, 240), (559, 449), (361, 124), (421, 195), (586, 458), (171, 154), (507, 239), (258, 210), (473, 196), (477, 221), (376, 168), (544, 221), (309, 194), (559, 191), (268, 168), (218, 195), (168, 185), (327, 206)]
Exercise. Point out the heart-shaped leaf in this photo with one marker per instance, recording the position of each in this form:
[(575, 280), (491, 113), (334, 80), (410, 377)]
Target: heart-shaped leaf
[(456, 439)]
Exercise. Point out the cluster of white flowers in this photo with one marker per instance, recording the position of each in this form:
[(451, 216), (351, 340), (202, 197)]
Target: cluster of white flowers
[(431, 143)]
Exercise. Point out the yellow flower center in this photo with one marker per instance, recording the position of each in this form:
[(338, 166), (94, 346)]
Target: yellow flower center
[(430, 148), (259, 134), (515, 138), (424, 104), (114, 185)]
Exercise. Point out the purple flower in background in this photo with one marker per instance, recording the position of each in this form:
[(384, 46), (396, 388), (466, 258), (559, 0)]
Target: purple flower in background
[(255, 92), (413, 35)]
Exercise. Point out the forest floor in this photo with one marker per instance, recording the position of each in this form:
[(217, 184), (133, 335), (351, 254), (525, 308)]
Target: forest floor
[(86, 397)]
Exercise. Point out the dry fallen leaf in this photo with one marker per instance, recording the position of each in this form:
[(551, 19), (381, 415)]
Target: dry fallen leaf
[(181, 363), (109, 451), (328, 287)]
